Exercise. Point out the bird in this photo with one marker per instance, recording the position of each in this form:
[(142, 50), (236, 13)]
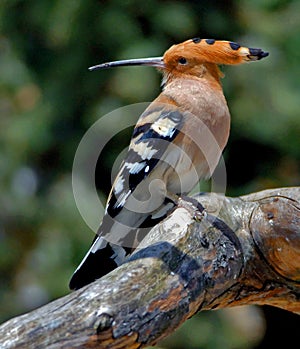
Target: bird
[(177, 141)]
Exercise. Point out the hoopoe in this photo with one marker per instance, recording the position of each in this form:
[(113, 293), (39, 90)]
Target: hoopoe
[(177, 141)]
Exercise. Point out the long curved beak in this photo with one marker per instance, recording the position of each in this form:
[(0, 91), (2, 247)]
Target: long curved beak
[(152, 62)]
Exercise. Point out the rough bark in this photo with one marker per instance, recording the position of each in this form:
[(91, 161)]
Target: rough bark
[(243, 250)]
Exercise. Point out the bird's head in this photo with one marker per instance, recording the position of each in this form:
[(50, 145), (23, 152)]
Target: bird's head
[(194, 57)]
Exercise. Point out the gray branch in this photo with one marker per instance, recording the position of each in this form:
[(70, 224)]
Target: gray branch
[(242, 250)]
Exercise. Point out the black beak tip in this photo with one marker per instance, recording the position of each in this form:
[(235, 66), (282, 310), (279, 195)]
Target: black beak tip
[(95, 67)]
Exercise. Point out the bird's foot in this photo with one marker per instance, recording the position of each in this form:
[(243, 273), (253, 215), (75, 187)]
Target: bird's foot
[(193, 206)]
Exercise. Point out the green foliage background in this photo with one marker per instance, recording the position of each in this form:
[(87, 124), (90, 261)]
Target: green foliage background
[(48, 100)]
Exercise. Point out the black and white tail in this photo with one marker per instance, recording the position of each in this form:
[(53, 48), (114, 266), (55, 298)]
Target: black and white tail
[(101, 258)]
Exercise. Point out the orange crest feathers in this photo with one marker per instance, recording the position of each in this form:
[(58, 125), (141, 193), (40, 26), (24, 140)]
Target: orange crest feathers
[(216, 51)]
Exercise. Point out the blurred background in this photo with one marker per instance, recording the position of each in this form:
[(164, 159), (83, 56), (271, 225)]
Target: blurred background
[(48, 100)]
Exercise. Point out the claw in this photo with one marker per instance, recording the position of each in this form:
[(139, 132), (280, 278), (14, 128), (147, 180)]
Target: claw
[(193, 206)]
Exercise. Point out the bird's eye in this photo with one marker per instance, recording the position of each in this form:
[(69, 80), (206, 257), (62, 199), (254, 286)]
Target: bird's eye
[(182, 61)]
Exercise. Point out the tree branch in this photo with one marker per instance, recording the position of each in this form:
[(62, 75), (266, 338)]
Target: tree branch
[(242, 251)]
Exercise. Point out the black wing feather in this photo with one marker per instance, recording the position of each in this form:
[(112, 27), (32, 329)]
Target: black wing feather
[(151, 139)]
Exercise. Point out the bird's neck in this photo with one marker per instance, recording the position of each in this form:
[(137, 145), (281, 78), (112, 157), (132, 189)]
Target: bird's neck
[(196, 94), (207, 72)]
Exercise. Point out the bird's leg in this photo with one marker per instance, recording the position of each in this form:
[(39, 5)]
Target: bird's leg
[(190, 204)]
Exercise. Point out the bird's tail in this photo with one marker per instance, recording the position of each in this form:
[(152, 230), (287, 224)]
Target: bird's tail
[(102, 258), (109, 250)]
